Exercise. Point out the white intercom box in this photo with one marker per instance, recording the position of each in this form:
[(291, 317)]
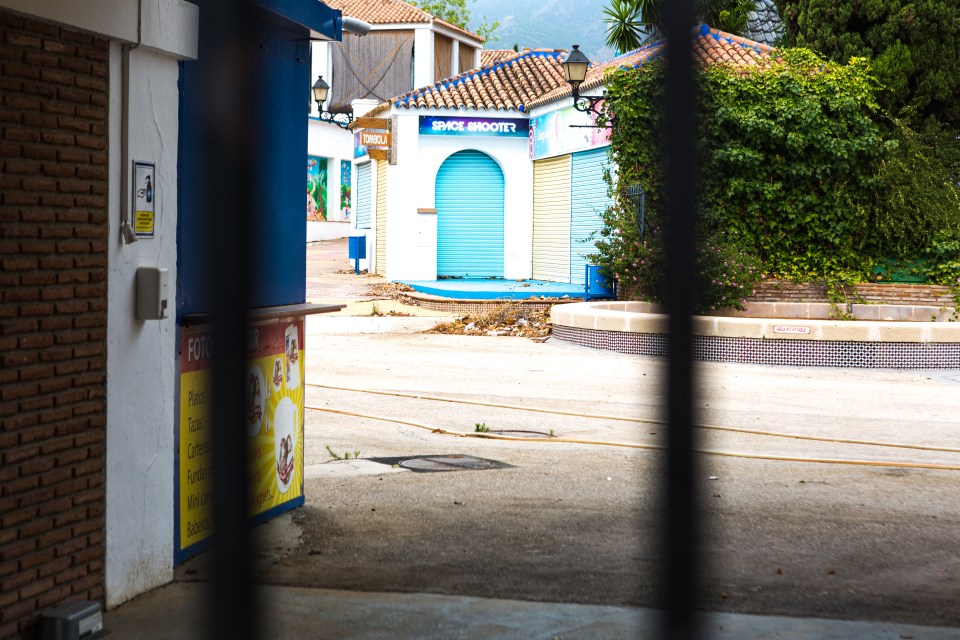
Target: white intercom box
[(152, 293)]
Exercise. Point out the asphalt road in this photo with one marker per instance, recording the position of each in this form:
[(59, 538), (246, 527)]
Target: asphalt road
[(567, 522)]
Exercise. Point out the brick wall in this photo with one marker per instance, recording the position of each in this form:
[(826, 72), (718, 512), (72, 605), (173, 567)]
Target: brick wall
[(912, 294), (53, 222)]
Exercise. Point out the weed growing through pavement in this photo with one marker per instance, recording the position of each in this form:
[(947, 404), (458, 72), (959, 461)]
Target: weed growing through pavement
[(481, 427), (346, 455)]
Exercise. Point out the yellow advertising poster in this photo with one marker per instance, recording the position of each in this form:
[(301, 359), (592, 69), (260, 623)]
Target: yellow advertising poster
[(273, 425)]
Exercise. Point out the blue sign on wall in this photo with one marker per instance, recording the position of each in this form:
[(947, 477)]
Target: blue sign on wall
[(465, 126)]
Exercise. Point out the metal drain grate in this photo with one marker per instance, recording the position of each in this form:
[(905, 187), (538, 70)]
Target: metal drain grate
[(454, 462)]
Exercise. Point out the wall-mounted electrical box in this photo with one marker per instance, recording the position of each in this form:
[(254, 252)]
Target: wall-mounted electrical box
[(152, 293)]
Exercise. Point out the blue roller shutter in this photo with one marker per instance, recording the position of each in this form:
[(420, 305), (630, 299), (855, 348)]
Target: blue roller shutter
[(588, 199), (364, 197), (469, 202)]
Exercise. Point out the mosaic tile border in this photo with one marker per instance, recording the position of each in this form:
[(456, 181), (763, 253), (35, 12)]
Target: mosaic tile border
[(810, 353)]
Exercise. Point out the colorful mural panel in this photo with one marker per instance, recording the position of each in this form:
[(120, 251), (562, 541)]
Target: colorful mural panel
[(345, 202), (565, 131), (316, 188)]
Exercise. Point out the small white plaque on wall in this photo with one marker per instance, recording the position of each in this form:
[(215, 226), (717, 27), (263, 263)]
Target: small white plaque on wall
[(782, 328)]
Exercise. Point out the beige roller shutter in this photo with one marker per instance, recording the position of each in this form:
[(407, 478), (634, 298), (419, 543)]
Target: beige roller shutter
[(551, 219), (381, 240)]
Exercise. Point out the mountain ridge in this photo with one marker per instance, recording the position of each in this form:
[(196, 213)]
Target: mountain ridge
[(551, 24)]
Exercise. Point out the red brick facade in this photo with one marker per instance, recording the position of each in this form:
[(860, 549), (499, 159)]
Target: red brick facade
[(910, 294), (53, 318)]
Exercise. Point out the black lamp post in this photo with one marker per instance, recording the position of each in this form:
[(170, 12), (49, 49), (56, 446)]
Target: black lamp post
[(575, 71), (320, 91)]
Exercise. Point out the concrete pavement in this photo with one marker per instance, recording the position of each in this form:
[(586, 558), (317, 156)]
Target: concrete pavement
[(177, 611)]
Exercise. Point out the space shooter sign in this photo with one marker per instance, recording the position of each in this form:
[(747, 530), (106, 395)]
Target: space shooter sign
[(462, 126)]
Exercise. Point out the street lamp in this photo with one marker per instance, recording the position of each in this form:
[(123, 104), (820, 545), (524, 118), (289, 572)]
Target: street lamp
[(575, 72), (320, 91)]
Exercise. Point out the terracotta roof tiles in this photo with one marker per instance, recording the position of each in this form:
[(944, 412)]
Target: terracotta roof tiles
[(710, 46), (392, 12), (493, 56), (532, 78), (506, 85)]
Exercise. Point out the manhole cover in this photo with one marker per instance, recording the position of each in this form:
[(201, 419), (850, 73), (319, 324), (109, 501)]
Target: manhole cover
[(448, 463), (454, 462)]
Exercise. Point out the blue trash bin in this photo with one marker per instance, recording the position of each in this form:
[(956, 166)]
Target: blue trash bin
[(596, 286), (357, 247), (357, 250)]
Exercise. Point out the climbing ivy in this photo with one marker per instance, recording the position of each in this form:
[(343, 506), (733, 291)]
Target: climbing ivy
[(798, 179)]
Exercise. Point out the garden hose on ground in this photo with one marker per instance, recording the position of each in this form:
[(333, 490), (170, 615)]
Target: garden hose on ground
[(760, 432), (651, 447)]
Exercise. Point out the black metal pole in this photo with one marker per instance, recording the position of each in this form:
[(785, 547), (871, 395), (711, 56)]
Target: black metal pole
[(228, 126), (680, 544)]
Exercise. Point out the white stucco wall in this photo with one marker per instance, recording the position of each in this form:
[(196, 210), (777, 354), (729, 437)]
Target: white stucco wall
[(141, 355), (320, 65), (422, 56), (412, 236)]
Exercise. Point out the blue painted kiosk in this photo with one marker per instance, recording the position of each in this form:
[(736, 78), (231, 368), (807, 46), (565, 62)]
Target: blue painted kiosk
[(274, 402)]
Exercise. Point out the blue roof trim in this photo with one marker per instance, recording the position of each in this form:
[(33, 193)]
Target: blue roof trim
[(307, 14), (705, 30)]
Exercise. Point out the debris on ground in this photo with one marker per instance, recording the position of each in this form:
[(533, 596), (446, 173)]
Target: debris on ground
[(392, 290), (507, 319)]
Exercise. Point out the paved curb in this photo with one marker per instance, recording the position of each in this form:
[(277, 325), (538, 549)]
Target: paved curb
[(177, 611)]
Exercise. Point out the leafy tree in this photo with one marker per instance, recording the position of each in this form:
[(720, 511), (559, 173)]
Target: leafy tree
[(729, 16), (630, 22), (800, 169), (791, 163), (456, 12), (917, 201), (913, 45), (625, 27)]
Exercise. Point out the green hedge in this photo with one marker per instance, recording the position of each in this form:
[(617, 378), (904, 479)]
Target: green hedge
[(802, 177)]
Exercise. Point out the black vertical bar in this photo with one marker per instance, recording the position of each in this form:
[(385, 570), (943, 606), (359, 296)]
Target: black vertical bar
[(228, 126), (680, 544)]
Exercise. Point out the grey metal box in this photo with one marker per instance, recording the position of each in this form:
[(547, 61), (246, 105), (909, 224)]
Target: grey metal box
[(77, 620)]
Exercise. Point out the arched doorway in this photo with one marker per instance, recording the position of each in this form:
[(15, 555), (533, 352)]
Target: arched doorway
[(469, 202)]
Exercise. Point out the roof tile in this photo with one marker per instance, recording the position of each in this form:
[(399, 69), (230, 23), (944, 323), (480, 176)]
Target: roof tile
[(493, 56), (710, 46), (392, 12), (519, 81), (505, 85)]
